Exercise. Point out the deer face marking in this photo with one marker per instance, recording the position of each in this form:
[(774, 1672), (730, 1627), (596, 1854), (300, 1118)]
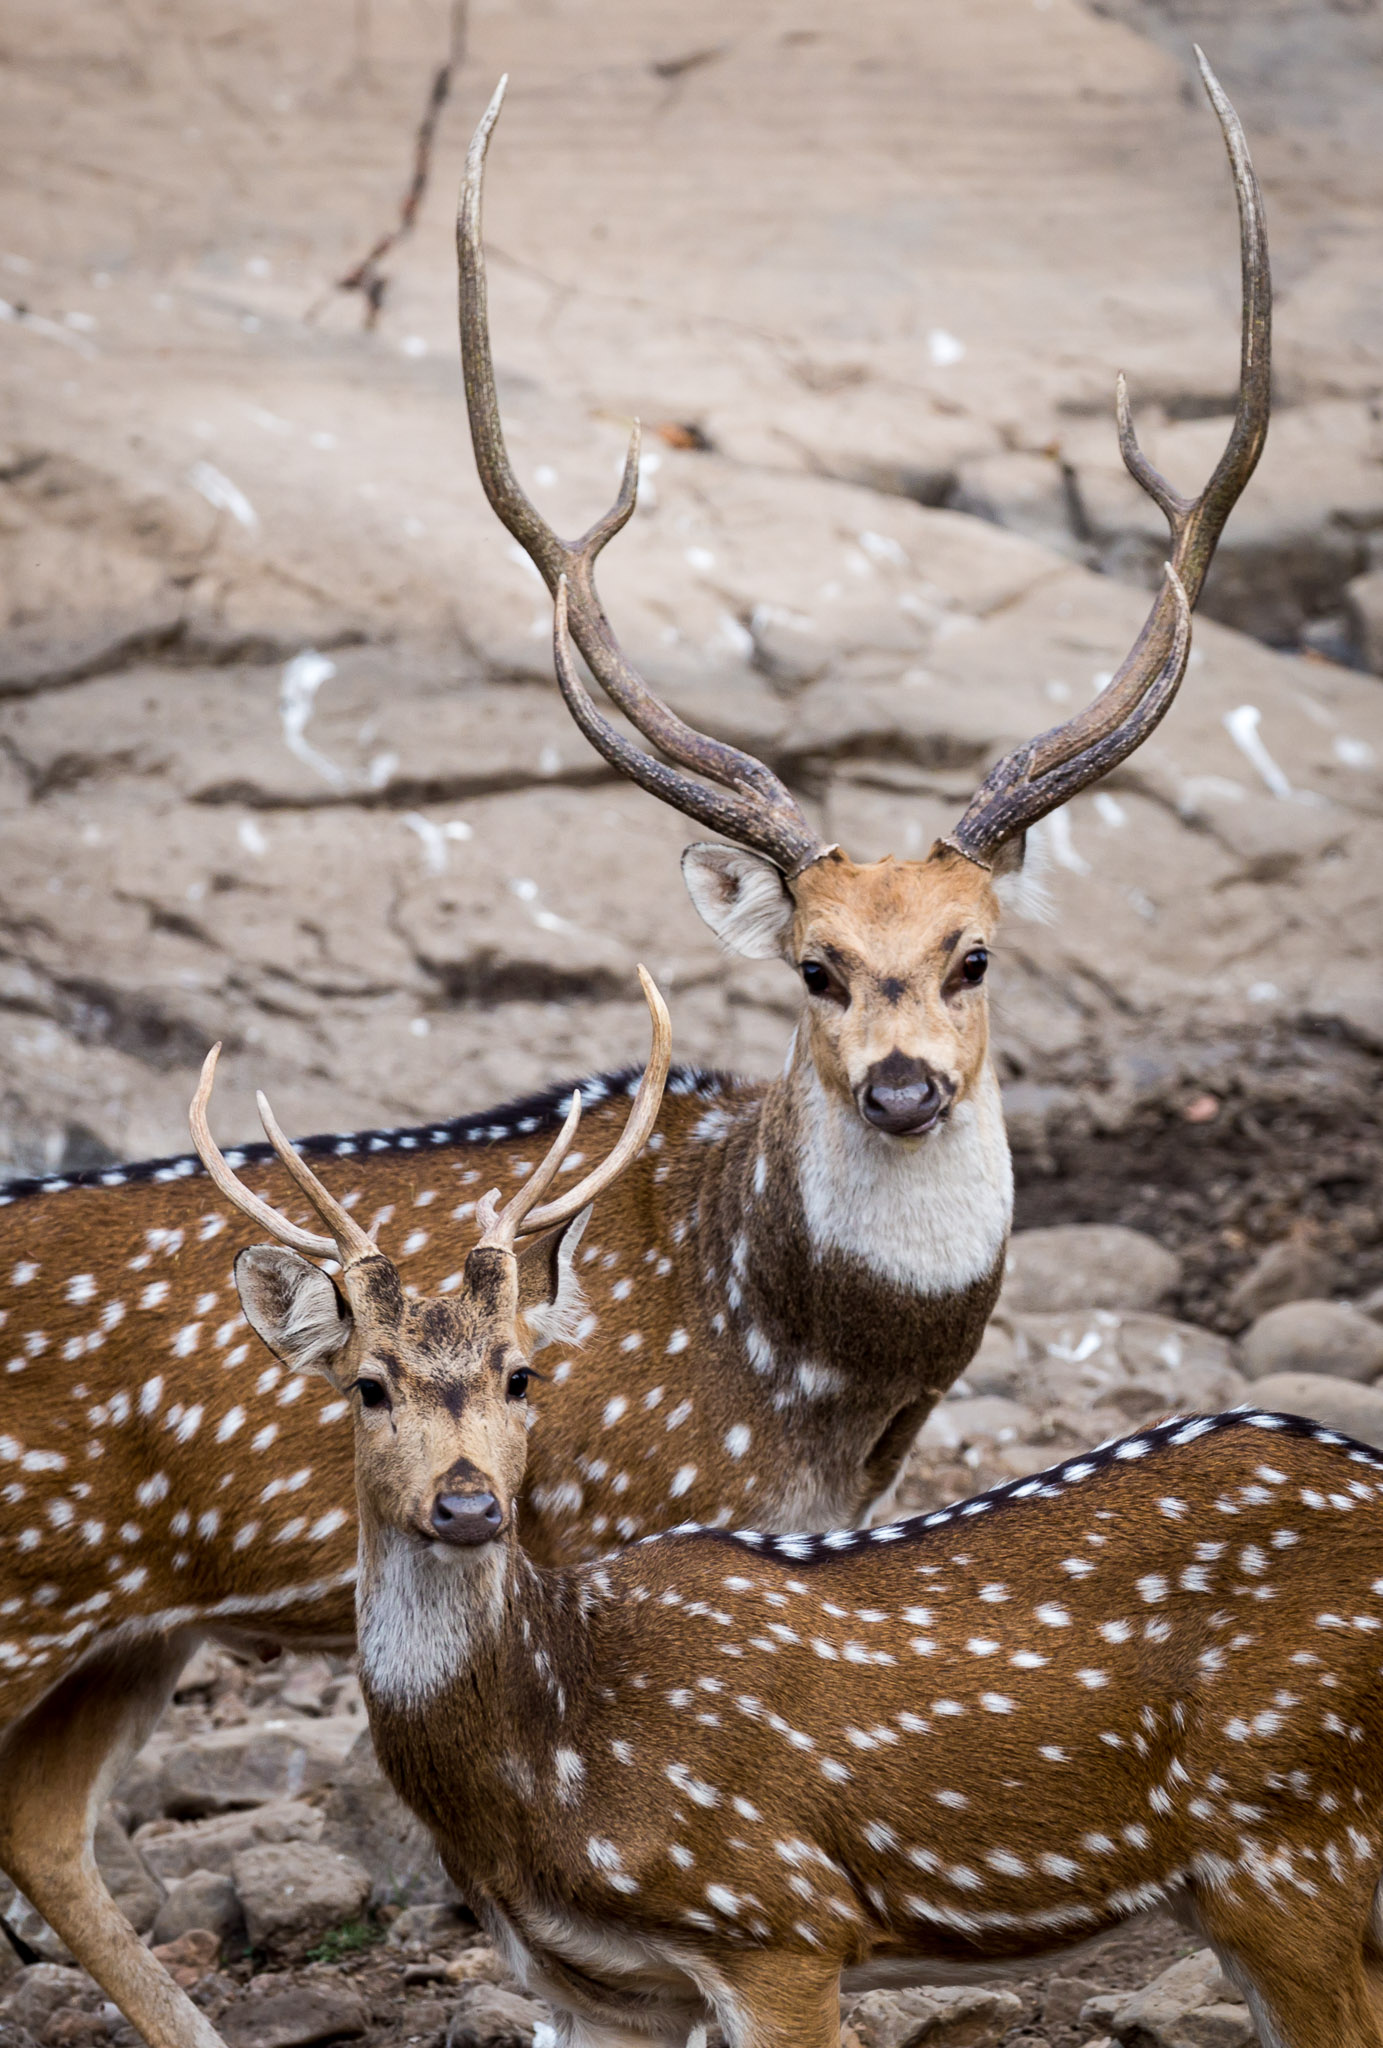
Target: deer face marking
[(438, 1386), (892, 956)]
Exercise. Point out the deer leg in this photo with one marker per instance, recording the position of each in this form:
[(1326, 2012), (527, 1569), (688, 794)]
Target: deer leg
[(57, 1767), (1307, 1985), (777, 2000)]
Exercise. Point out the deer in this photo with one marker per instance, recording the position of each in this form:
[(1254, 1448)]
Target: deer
[(827, 1245), (705, 1777)]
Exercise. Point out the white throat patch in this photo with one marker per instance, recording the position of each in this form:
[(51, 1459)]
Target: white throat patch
[(422, 1612), (930, 1215)]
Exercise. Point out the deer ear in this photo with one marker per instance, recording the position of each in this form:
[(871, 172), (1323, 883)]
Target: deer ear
[(293, 1306), (742, 897), (549, 1291)]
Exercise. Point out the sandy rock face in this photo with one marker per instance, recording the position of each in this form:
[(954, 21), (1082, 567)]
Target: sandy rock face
[(282, 755)]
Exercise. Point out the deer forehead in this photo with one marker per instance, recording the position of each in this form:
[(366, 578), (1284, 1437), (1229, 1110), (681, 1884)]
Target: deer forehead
[(438, 1344), (891, 917)]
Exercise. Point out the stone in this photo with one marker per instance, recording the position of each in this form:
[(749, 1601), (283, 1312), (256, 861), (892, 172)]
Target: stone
[(190, 1956), (247, 1765), (275, 2012), (13, 2035), (364, 1816), (487, 2017), (129, 1881), (204, 1899), (173, 1850), (293, 1893), (425, 1929), (1314, 1337), (1024, 493), (1086, 1265), (1099, 2011), (1105, 1371), (955, 1423), (939, 2016), (1066, 2002), (479, 1964), (1191, 2005), (1293, 1269), (43, 1989), (1364, 613), (1340, 1404)]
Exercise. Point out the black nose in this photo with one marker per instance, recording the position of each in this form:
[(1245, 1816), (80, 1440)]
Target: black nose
[(466, 1518), (905, 1107)]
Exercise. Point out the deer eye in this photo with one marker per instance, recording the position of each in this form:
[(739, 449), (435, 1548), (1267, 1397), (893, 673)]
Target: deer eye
[(373, 1393), (972, 967), (517, 1389), (815, 978)]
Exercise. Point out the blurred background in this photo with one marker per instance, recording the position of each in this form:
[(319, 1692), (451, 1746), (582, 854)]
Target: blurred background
[(283, 761)]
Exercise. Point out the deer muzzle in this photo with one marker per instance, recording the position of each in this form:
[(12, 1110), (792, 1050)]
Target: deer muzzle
[(904, 1097), (466, 1520)]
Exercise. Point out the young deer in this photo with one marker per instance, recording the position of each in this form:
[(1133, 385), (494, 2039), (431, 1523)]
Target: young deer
[(703, 1778), (827, 1245)]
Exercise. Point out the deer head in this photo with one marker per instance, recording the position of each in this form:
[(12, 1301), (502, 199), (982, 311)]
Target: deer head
[(892, 955), (438, 1385)]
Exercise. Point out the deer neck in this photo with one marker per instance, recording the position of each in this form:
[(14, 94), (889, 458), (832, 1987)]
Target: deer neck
[(426, 1614), (928, 1216)]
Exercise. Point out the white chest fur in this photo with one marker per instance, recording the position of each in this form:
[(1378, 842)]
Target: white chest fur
[(422, 1611), (928, 1214)]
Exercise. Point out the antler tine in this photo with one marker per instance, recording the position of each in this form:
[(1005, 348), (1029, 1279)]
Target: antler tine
[(1052, 768), (1196, 523), (351, 1242), (777, 829), (767, 816), (638, 1128), (501, 1226), (251, 1205)]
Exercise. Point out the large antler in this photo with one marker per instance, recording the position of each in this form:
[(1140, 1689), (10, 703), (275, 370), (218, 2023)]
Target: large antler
[(1051, 769), (521, 1213), (750, 805), (347, 1242)]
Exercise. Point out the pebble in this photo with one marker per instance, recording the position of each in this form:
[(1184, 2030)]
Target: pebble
[(1314, 1337), (205, 1900), (1293, 1269)]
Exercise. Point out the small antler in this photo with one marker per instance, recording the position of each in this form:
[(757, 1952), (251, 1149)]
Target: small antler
[(501, 1227), (347, 1242), (751, 804), (1051, 769)]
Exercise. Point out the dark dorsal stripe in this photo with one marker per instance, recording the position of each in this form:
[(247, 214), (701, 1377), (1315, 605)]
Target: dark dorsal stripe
[(525, 1118)]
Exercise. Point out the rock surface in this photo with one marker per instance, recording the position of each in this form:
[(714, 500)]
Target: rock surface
[(1085, 1265), (293, 1893), (276, 2013), (281, 753), (1314, 1336), (1340, 1404), (1191, 2005), (949, 2016), (203, 1899)]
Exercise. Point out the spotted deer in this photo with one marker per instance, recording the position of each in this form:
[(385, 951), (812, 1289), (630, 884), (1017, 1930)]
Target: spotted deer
[(825, 1246), (700, 1780)]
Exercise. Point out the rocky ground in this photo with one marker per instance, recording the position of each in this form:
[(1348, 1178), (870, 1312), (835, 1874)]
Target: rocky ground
[(283, 764)]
